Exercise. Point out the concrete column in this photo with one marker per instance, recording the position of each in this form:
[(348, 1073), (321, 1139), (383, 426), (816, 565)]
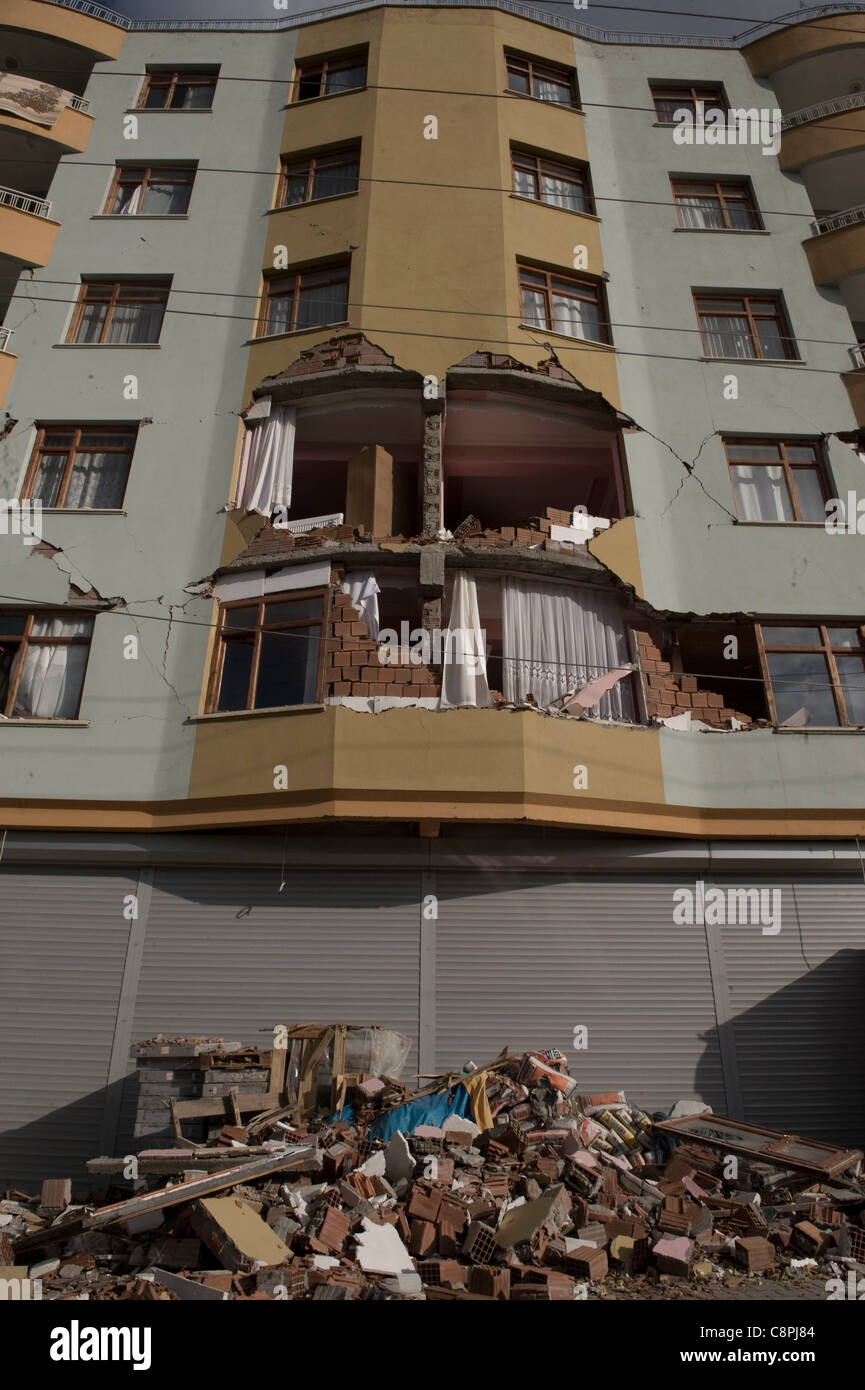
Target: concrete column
[(432, 465), (369, 491)]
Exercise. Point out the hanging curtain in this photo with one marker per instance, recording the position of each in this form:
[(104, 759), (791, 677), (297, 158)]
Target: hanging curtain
[(761, 493), (98, 481), (702, 212), (132, 195), (363, 591), (556, 640), (51, 677), (268, 463), (576, 317), (464, 671), (726, 335)]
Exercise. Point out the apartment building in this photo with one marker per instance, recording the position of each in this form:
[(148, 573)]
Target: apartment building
[(417, 601)]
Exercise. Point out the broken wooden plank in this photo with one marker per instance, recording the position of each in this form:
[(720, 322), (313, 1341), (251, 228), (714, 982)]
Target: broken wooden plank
[(752, 1141), (167, 1162), (247, 1102)]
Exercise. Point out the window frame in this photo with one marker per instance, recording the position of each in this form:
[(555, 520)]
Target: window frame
[(191, 77), (790, 469), (296, 275), (116, 286), (313, 161), (600, 300), (791, 350), (147, 171), (569, 168), (541, 67), (39, 452), (826, 650), (281, 596), (688, 92), (716, 187), (347, 57), (25, 640)]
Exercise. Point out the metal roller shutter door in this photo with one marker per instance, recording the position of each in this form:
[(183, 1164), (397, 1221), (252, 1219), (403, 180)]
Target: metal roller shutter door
[(523, 958), (338, 946), (64, 942), (797, 1001)]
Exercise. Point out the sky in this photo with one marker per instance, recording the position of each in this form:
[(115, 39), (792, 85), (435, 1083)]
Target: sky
[(726, 18)]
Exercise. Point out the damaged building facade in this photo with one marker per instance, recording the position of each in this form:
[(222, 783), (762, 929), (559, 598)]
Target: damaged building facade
[(415, 582)]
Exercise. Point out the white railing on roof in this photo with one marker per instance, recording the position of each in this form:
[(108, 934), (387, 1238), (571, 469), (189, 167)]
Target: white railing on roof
[(571, 26), (833, 107), (857, 353), (24, 202), (836, 220), (5, 335)]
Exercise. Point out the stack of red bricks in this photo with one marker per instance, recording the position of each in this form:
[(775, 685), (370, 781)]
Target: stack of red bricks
[(353, 667), (668, 694)]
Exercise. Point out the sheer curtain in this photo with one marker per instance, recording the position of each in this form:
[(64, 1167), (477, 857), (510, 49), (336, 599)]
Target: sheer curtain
[(464, 672), (363, 590), (135, 323), (562, 193), (700, 212), (128, 199), (267, 466), (98, 481), (727, 335), (577, 318), (555, 640), (52, 675), (761, 493)]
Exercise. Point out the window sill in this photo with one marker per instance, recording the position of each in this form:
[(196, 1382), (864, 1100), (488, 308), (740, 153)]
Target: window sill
[(313, 202), (139, 217), (296, 332), (78, 511), (254, 713), (759, 361), (101, 347), (542, 202), (21, 721), (729, 231), (558, 105), (822, 729), (817, 525), (168, 110), (325, 96), (566, 338)]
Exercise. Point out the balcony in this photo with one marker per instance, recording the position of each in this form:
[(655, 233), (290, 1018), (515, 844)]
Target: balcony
[(855, 382), (7, 363), (67, 132), (78, 24), (27, 230), (825, 31), (814, 132)]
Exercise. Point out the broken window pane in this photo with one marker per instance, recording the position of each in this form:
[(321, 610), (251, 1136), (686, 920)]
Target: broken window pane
[(802, 688)]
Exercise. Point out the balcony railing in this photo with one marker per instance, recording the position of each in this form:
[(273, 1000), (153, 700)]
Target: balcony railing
[(836, 220), (857, 355), (79, 103), (24, 202), (833, 107), (570, 26), (5, 335)]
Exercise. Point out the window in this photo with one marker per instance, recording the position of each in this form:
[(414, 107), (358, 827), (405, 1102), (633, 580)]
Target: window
[(530, 77), (189, 90), (777, 481), (744, 326), (563, 304), (305, 299), (675, 97), (815, 673), (547, 181), (80, 466), (317, 176), (161, 190), (119, 311), (43, 657), (322, 77), (270, 653), (716, 205)]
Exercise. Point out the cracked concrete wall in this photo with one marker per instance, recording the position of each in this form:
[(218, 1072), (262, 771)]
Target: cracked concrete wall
[(138, 745), (693, 556)]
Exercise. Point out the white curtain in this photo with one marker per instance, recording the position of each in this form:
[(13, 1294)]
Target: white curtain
[(268, 463), (363, 591), (727, 335), (464, 671), (576, 317), (761, 493), (51, 677), (133, 199), (701, 212), (555, 640)]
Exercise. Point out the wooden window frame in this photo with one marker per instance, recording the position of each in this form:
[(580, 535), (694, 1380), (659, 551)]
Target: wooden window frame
[(185, 77), (115, 297), (297, 276), (791, 353), (826, 650), (541, 68), (347, 58), (314, 161), (25, 640), (596, 297), (715, 188), (40, 452), (544, 164), (790, 469), (688, 92), (147, 171), (283, 596)]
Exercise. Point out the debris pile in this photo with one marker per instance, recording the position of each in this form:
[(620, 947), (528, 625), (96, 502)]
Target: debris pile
[(500, 1182)]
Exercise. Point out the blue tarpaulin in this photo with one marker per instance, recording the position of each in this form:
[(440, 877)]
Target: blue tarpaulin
[(427, 1110)]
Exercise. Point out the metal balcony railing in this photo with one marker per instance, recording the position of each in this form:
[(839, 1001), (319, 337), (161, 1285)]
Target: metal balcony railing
[(5, 335), (79, 103), (857, 355), (570, 26), (24, 202), (836, 220), (833, 107)]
